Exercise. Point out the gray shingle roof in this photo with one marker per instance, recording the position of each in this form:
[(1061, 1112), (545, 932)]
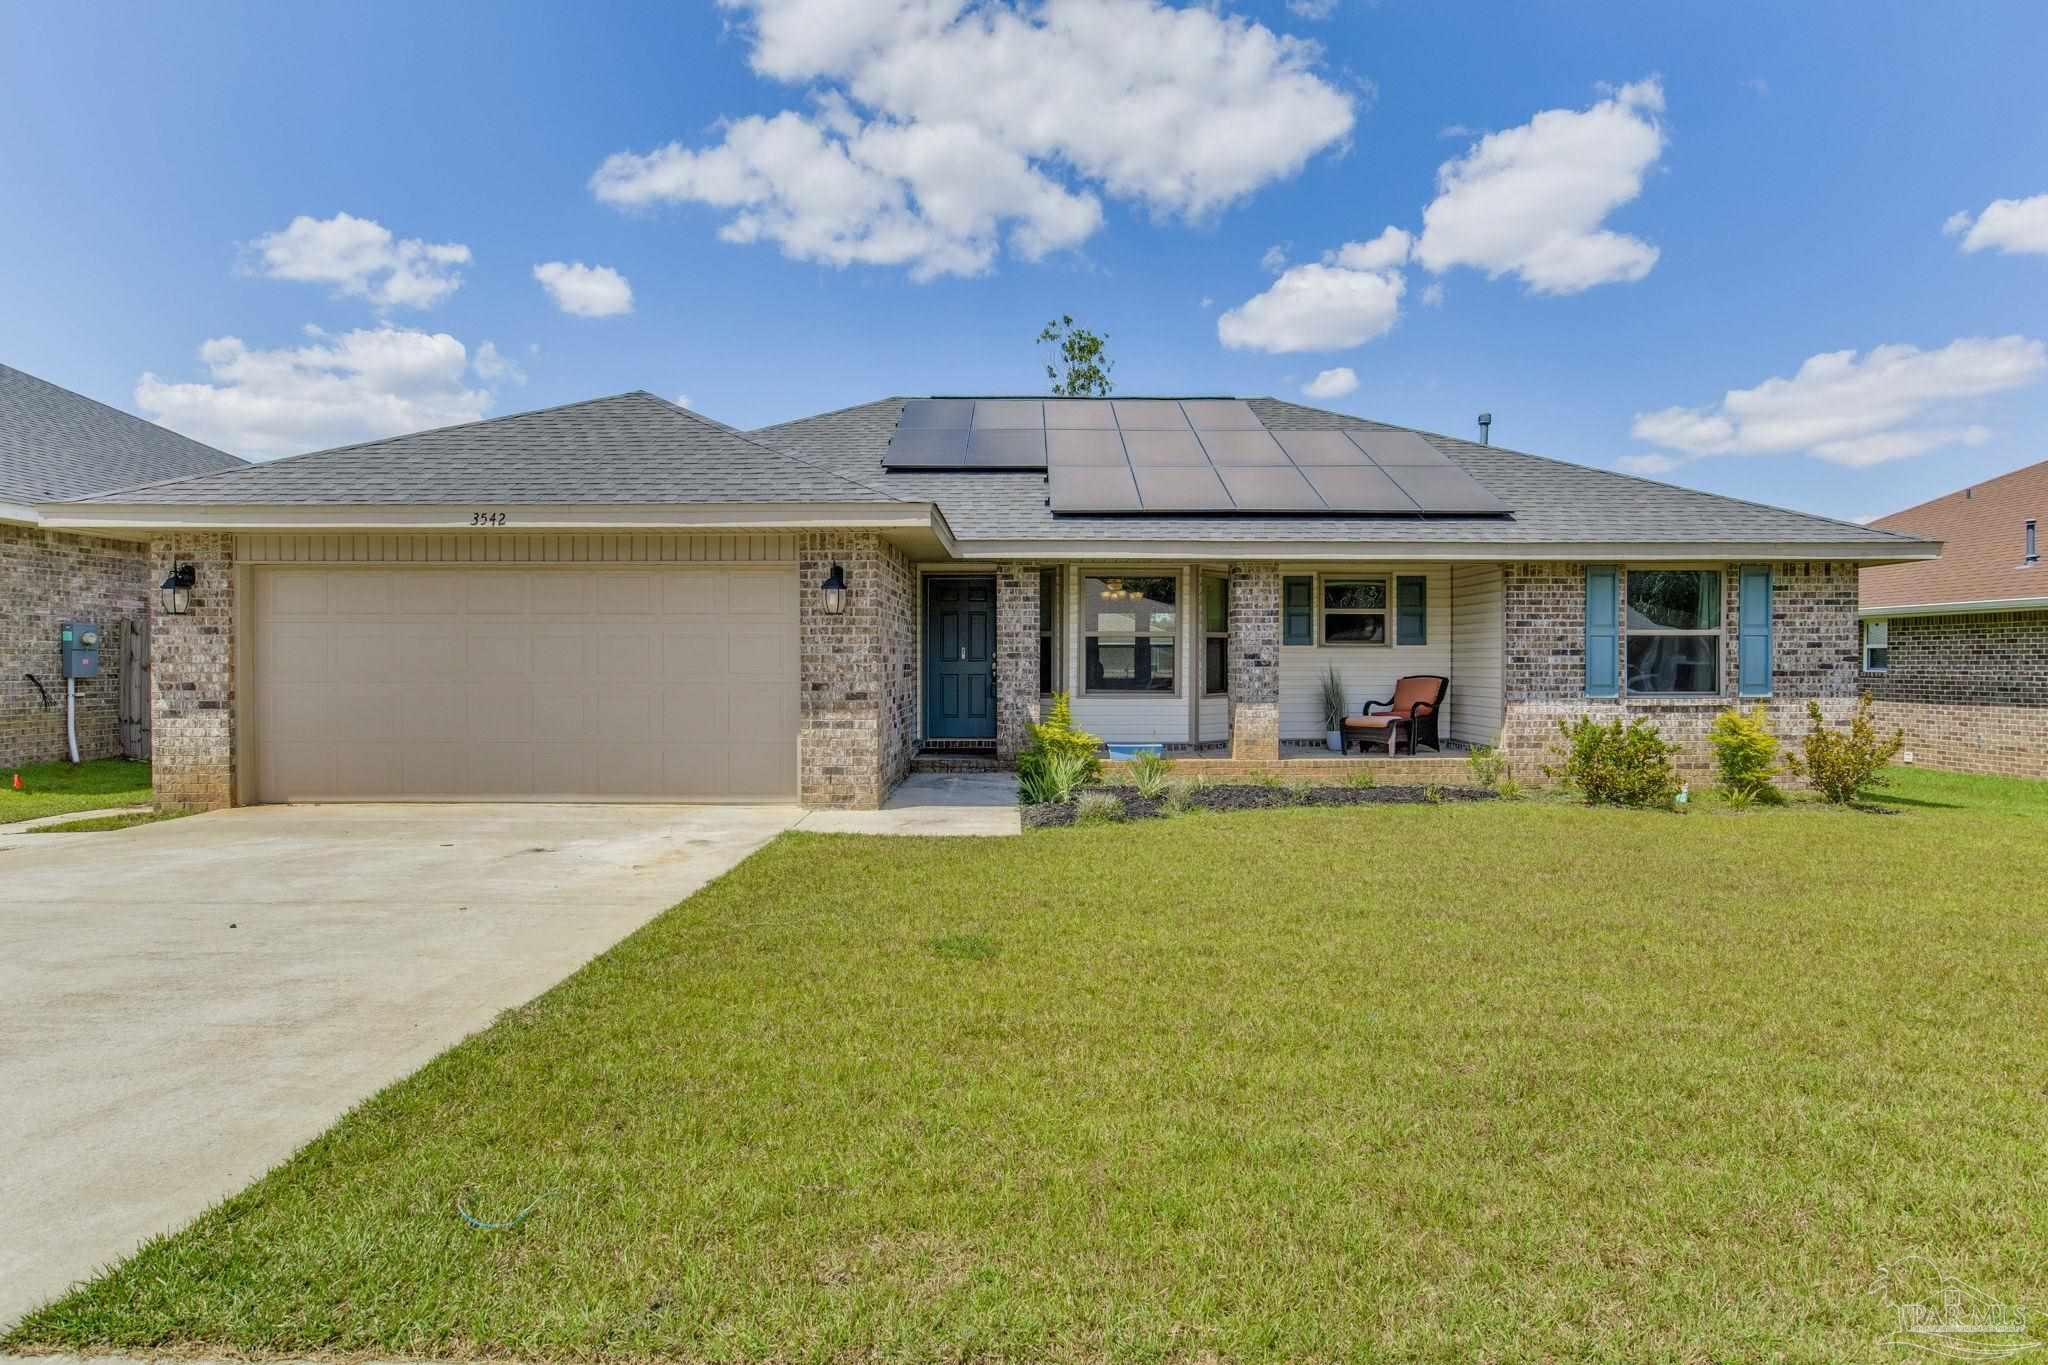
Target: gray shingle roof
[(1553, 501), (629, 448), (58, 444)]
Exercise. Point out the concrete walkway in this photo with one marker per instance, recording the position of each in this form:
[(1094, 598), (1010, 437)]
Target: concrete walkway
[(183, 1004), (931, 803)]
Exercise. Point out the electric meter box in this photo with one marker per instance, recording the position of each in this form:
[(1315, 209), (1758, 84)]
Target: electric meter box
[(80, 642)]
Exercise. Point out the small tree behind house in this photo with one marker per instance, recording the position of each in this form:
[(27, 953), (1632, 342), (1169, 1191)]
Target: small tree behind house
[(1084, 363)]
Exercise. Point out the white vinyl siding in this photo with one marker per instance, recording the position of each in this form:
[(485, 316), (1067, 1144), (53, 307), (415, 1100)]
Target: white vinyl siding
[(1477, 646), (1369, 672)]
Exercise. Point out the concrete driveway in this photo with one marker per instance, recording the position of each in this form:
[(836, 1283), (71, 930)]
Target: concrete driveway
[(184, 1004)]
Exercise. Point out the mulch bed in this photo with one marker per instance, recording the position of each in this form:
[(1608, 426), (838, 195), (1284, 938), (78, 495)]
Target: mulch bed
[(1230, 796)]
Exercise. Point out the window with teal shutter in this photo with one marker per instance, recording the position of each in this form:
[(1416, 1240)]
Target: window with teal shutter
[(1754, 637), (1297, 611), (1411, 611), (1602, 632)]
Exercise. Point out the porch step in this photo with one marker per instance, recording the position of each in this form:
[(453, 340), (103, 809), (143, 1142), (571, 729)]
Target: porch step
[(956, 761)]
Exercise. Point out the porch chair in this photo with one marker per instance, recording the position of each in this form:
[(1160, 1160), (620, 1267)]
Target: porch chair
[(1413, 707)]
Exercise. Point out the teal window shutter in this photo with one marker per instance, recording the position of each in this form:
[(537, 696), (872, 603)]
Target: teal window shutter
[(1297, 611), (1754, 643), (1411, 611), (1602, 632)]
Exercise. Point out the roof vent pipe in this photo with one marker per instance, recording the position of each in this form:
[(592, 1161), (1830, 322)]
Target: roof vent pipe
[(1485, 428)]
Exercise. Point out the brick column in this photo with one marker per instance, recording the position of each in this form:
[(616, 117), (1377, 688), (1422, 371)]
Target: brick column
[(857, 678), (1255, 662), (192, 676), (1016, 681)]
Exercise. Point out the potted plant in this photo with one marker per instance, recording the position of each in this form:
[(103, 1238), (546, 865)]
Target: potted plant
[(1333, 711)]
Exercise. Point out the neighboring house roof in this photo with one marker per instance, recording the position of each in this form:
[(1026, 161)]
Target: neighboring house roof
[(1553, 502), (629, 448), (58, 444), (1983, 528)]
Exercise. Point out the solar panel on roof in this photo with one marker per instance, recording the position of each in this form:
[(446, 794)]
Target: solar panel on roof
[(1359, 488), (1164, 447), (1009, 412), (1082, 489), (927, 449), (922, 413), (1182, 488), (1084, 448), (1271, 489), (1448, 490), (1221, 414), (1079, 414), (1005, 448), (1399, 448), (1319, 448), (1149, 414), (1243, 448)]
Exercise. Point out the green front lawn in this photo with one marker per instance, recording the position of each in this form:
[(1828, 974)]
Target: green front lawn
[(1511, 1081), (57, 788)]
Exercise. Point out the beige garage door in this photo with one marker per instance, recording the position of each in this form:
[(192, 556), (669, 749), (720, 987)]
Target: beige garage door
[(676, 683)]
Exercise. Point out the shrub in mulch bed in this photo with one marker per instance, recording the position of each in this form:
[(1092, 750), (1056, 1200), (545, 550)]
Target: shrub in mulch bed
[(1229, 796)]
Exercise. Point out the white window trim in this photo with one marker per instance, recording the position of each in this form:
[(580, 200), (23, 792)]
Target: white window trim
[(1719, 633), (1386, 613), (1884, 624), (1202, 582), (1177, 638)]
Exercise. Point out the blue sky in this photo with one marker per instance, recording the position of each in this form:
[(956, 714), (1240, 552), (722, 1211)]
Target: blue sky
[(1644, 209)]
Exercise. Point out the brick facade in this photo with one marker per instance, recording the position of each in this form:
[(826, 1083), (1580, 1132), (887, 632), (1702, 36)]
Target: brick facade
[(858, 670), (1016, 663), (46, 578), (1255, 662), (1814, 643), (192, 676), (1970, 690)]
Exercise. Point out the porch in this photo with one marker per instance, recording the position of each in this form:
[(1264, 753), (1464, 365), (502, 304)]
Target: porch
[(1223, 664)]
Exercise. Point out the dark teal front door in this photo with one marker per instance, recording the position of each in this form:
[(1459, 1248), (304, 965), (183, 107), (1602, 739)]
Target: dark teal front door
[(959, 657)]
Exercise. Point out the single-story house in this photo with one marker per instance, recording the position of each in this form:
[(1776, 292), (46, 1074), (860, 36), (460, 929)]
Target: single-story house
[(623, 599), (1955, 650), (58, 444)]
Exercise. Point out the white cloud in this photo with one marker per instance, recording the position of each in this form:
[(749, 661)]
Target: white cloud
[(1853, 411), (682, 400), (1527, 201), (351, 387), (1332, 383), (1315, 308), (1530, 200), (945, 133), (585, 291), (1647, 465), (1315, 11), (2013, 226), (492, 365), (1433, 294), (361, 259), (1208, 302), (1383, 252), (1275, 258)]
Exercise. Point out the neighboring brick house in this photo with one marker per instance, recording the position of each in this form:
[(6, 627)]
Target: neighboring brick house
[(1955, 650), (621, 599), (59, 444)]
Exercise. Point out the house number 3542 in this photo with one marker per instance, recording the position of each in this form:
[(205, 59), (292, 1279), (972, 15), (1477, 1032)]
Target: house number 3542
[(487, 518)]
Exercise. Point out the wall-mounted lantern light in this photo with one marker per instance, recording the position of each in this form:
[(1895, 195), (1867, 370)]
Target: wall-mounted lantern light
[(834, 588), (177, 590)]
